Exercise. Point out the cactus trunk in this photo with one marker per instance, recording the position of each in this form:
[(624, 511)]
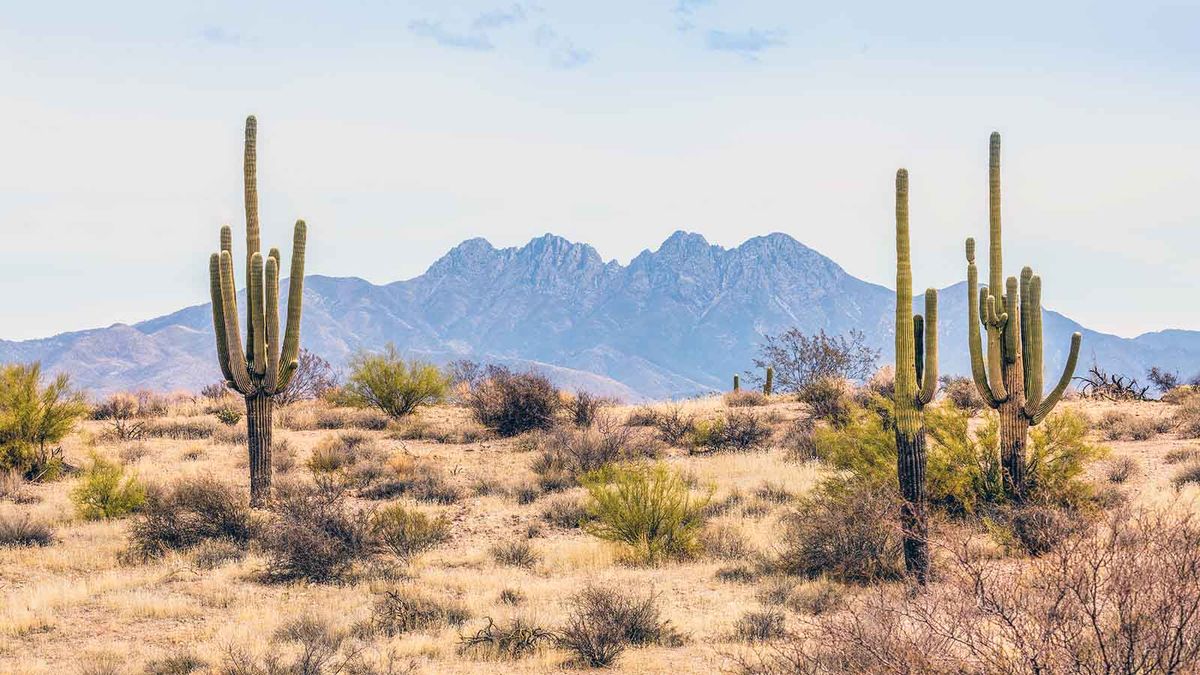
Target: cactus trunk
[(259, 409), (737, 383), (1014, 430), (769, 384), (910, 464)]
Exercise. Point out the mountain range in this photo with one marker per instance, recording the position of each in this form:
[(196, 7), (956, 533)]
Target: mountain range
[(676, 321)]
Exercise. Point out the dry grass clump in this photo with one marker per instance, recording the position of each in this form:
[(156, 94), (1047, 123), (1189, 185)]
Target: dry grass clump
[(1121, 426), (566, 511), (214, 553), (604, 621), (845, 531), (1121, 469), (817, 597), (725, 541), (424, 481), (1038, 529), (186, 429), (515, 553), (188, 512), (1187, 417), (22, 529), (1181, 455), (762, 625), (642, 416), (584, 408), (302, 646), (178, 663), (1188, 474), (745, 398), (13, 489), (403, 610), (1124, 594), (799, 442), (506, 642)]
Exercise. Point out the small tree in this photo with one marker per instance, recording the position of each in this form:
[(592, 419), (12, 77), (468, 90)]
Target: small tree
[(797, 359), (390, 383), (313, 378), (1163, 380), (33, 417)]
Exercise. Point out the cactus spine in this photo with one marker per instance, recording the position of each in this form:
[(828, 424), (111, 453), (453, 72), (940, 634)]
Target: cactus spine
[(916, 383), (266, 365), (769, 383), (1010, 379), (737, 383)]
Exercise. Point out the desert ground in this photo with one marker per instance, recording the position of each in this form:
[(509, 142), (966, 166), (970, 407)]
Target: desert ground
[(81, 604)]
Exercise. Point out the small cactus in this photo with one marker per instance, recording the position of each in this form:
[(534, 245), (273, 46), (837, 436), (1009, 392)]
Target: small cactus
[(1010, 378), (737, 383), (266, 366), (916, 383), (769, 383)]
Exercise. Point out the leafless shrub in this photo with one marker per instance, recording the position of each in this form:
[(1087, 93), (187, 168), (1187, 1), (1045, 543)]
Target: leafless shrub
[(178, 663), (1120, 599), (603, 621), (800, 359), (315, 534), (759, 626), (512, 403), (725, 541), (314, 377), (188, 512), (1098, 384), (565, 511), (817, 597), (827, 399), (799, 444), (516, 640), (738, 573), (213, 553), (674, 426), (567, 454), (403, 610), (736, 432), (1038, 529), (515, 553), (181, 429), (316, 647), (642, 416), (1121, 469), (584, 407), (962, 392), (406, 533), (511, 597)]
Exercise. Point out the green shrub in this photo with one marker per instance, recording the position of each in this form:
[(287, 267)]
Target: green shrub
[(228, 415), (406, 533), (390, 383), (827, 398), (104, 491), (649, 508), (34, 417)]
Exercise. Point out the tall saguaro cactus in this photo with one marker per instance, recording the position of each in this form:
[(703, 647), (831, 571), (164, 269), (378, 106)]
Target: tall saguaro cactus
[(916, 383), (269, 361), (769, 382), (1010, 379)]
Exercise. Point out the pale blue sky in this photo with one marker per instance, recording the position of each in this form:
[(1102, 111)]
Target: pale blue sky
[(398, 129)]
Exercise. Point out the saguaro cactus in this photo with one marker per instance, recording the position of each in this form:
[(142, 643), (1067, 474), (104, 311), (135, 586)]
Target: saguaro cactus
[(916, 383), (1010, 380), (737, 383), (769, 383), (267, 364)]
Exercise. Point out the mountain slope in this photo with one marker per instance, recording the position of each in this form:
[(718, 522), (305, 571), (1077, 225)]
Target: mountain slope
[(675, 321)]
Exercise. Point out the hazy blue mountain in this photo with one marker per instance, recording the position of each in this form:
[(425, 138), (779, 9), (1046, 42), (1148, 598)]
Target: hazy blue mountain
[(675, 321)]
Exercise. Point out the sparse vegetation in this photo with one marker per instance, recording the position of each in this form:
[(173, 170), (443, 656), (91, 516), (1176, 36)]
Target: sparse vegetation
[(188, 512), (18, 529), (798, 359), (392, 384), (403, 610)]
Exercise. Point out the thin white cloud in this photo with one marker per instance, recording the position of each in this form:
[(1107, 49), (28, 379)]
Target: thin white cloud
[(748, 43), (473, 41)]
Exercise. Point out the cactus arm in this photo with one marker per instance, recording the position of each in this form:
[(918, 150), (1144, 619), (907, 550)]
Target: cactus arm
[(257, 316), (1012, 334), (1034, 364), (291, 337), (233, 341), (918, 322), (930, 376), (994, 321), (1026, 275), (1053, 397), (979, 371), (218, 312), (271, 316)]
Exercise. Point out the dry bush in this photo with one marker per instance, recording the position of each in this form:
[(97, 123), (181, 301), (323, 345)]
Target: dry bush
[(214, 553), (604, 620), (1187, 418), (312, 379), (235, 435), (511, 597), (189, 429), (405, 533), (1121, 469), (642, 416), (1180, 394), (584, 407), (1038, 529), (745, 398), (1121, 599), (800, 359), (512, 403), (674, 427), (314, 648), (1181, 455), (423, 481), (725, 541), (515, 553), (566, 454), (740, 573), (827, 399), (403, 610), (516, 640), (799, 443), (12, 488), (24, 530), (178, 663), (759, 626), (736, 432), (565, 511), (188, 512), (1115, 425), (846, 530), (817, 597), (133, 453), (1188, 474), (315, 535), (962, 392)]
